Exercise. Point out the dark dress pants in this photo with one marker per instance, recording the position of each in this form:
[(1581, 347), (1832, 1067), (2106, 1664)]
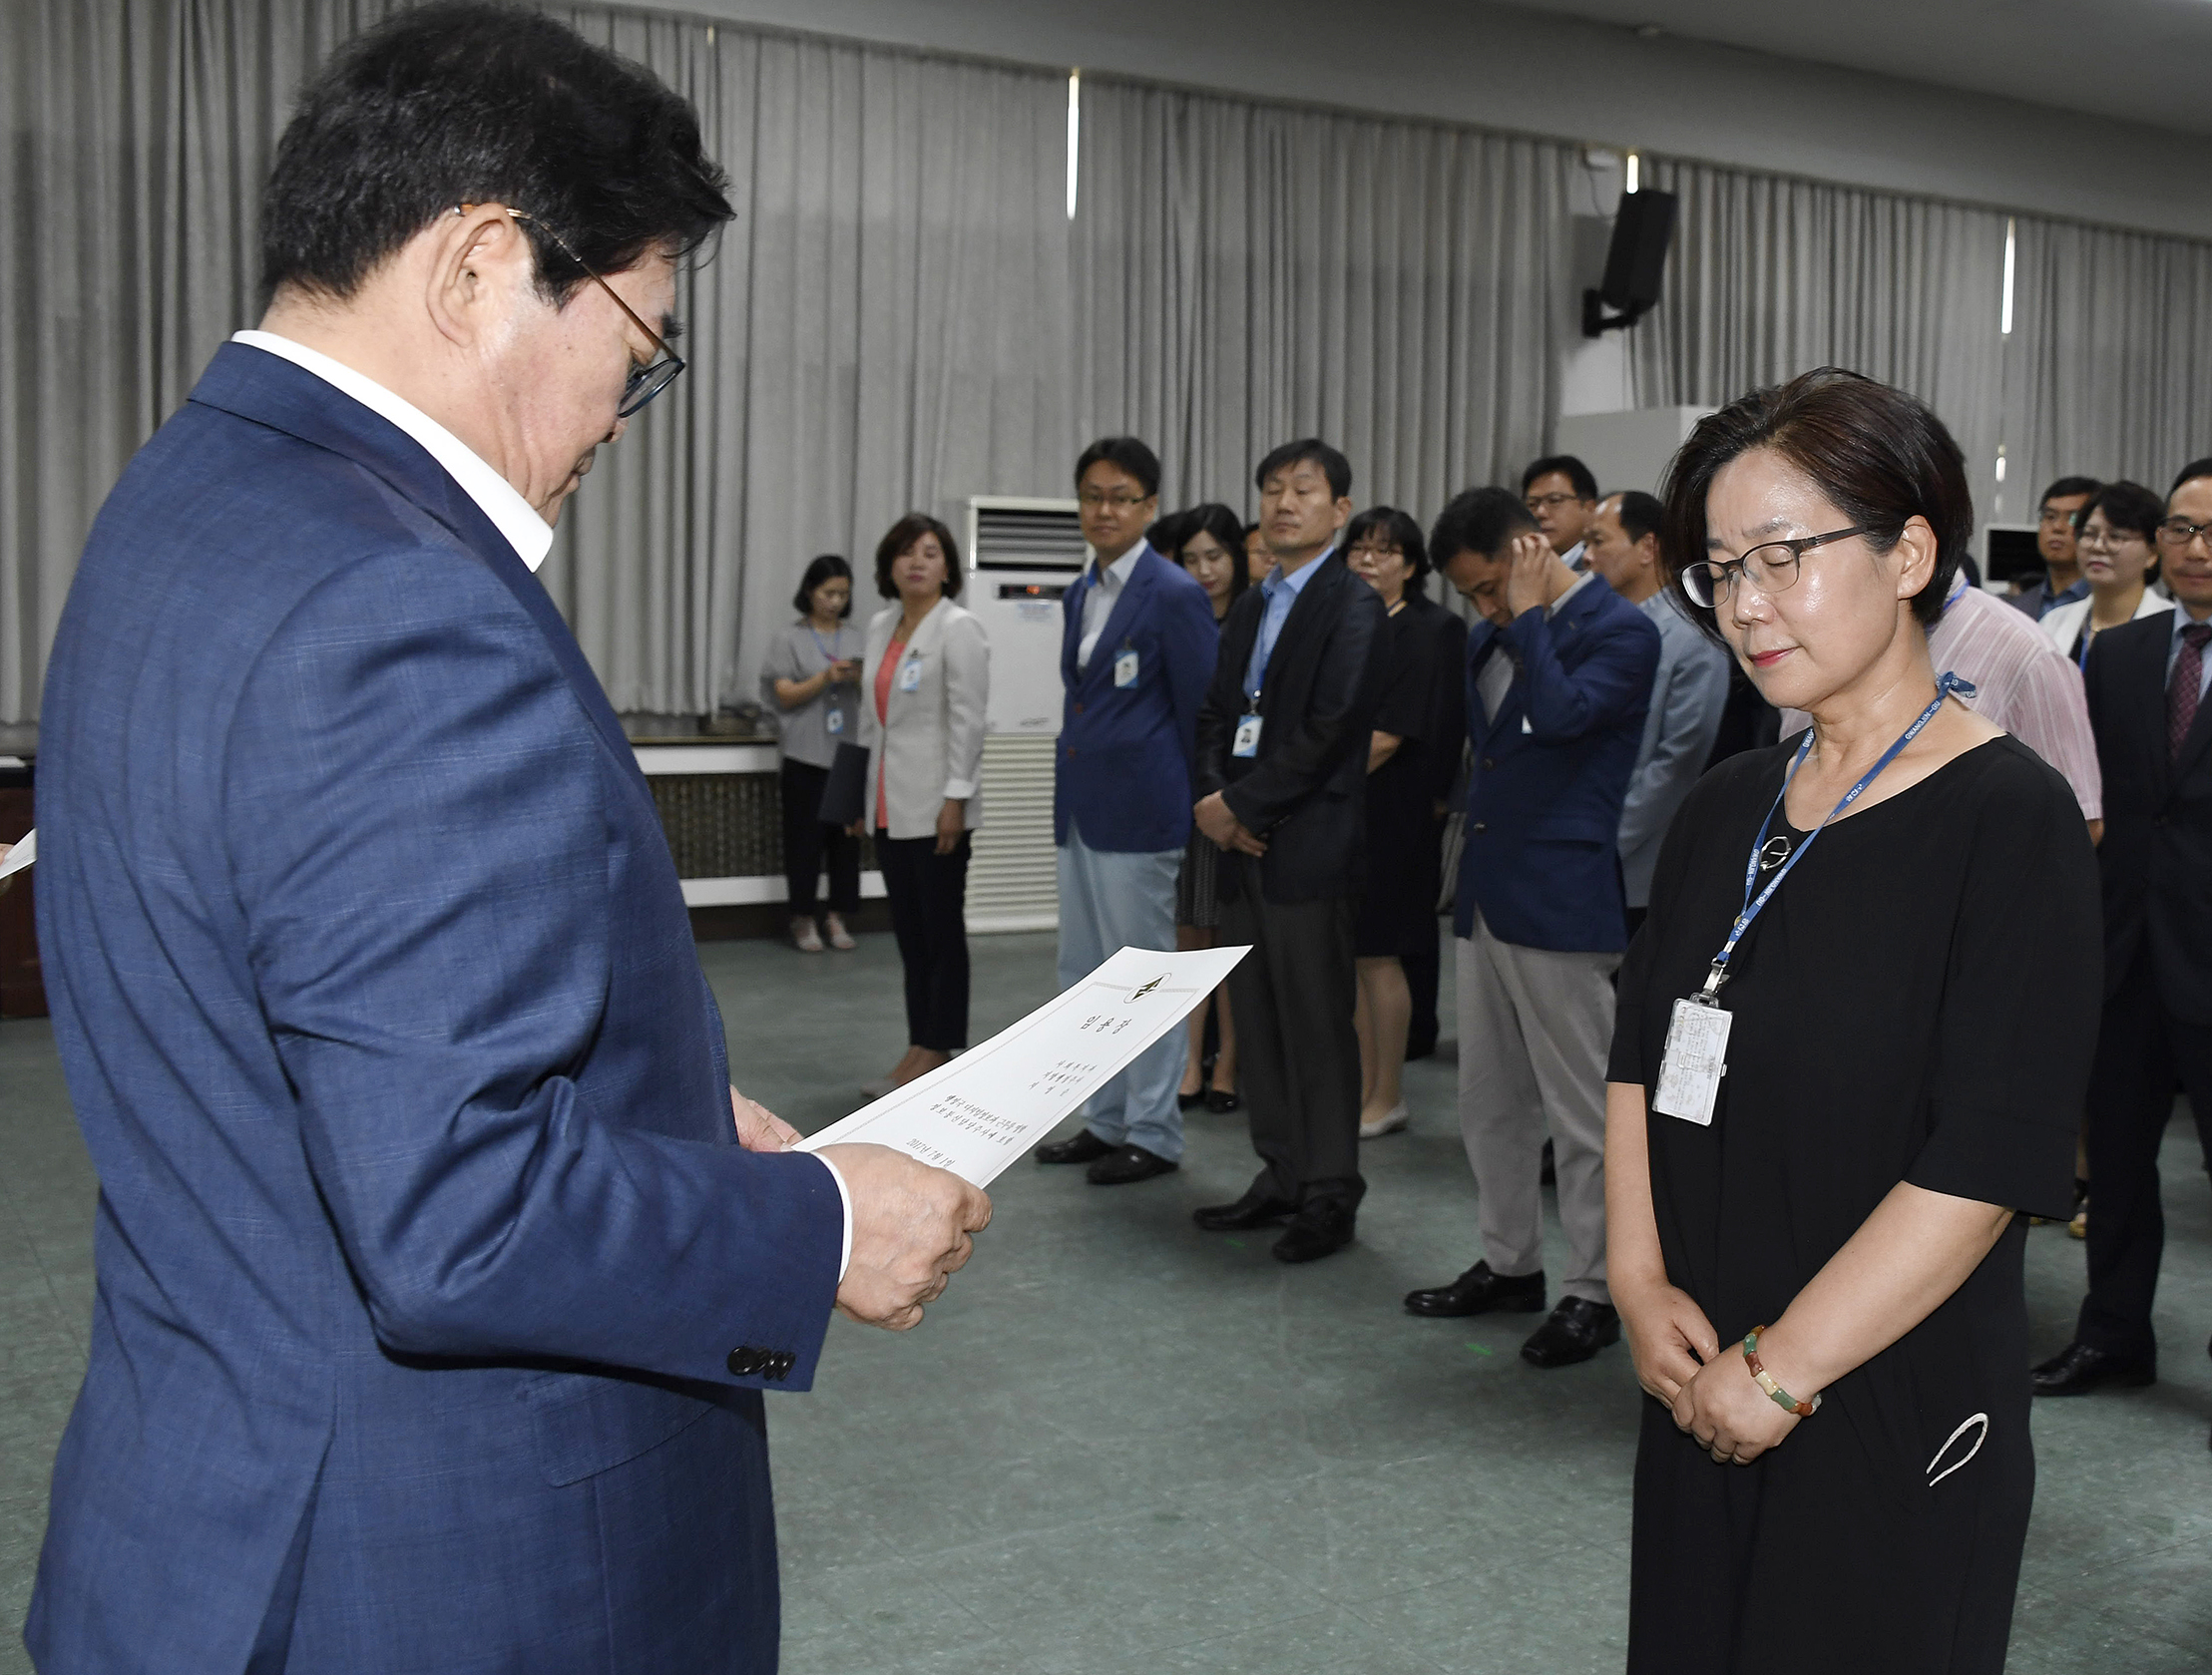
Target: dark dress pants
[(928, 901), (806, 841), (1297, 1052), (2141, 1052)]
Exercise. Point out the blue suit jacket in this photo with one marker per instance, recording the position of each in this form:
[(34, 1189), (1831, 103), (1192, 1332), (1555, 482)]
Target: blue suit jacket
[(1124, 765), (423, 1244), (1550, 769)]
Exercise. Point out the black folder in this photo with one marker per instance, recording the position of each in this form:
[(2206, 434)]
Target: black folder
[(844, 796)]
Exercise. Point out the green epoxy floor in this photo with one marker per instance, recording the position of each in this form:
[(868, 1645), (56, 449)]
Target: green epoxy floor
[(1120, 1444)]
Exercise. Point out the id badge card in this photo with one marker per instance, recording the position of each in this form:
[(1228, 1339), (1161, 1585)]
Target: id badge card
[(1246, 743), (1124, 669), (910, 675), (1697, 1058), (836, 722)]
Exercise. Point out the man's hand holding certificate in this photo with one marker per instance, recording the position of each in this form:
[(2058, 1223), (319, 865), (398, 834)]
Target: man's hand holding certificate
[(978, 1114)]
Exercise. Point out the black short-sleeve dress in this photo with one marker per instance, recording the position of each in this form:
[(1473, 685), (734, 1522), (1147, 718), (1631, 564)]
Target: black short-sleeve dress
[(1917, 1003), (1398, 909)]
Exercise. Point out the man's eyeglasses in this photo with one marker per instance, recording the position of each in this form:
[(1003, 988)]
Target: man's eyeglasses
[(1539, 505), (2176, 533), (1092, 501), (644, 382), (1770, 566)]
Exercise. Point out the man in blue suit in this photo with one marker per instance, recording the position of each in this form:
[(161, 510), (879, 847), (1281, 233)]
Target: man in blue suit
[(1559, 676), (1137, 650), (440, 1267)]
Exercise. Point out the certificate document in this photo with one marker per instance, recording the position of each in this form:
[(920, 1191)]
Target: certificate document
[(22, 855), (984, 1108)]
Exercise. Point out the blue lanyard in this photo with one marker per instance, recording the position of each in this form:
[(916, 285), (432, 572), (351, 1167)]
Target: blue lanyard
[(837, 637), (1945, 684)]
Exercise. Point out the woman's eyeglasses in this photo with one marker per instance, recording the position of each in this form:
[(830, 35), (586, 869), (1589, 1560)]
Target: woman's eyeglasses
[(1769, 566)]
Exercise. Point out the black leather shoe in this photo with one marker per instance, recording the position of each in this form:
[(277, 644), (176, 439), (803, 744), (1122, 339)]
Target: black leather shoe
[(1255, 1209), (2078, 1369), (1481, 1292), (1321, 1228), (1184, 1102), (1221, 1103), (1084, 1147), (1578, 1330), (1125, 1163)]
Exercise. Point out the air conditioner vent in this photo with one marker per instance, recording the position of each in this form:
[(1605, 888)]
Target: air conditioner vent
[(1040, 536)]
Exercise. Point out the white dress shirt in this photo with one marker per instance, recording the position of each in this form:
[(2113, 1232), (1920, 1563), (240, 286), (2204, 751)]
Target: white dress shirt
[(514, 517), (1099, 598)]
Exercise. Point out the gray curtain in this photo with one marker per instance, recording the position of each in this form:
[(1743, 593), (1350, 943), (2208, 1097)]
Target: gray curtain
[(2110, 359), (1248, 274), (1772, 276)]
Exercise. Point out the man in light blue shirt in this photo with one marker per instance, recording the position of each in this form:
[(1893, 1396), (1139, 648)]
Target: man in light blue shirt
[(1137, 652)]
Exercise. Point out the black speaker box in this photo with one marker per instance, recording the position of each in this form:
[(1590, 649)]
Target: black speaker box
[(1636, 261)]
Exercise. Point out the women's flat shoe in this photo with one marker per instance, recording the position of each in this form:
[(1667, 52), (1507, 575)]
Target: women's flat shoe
[(1221, 1103), (839, 937), (1388, 1123), (1184, 1102), (804, 936)]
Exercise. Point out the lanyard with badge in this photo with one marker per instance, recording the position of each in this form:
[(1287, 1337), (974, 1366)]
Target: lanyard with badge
[(1696, 1056), (835, 721), (1246, 741)]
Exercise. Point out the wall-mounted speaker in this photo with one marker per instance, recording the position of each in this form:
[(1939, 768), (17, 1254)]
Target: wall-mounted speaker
[(1636, 261)]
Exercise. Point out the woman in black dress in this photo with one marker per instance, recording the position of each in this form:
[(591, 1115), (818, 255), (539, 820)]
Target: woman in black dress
[(1406, 748), (1834, 1223), (1210, 544)]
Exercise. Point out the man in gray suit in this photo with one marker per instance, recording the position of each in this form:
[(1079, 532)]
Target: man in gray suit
[(1687, 695)]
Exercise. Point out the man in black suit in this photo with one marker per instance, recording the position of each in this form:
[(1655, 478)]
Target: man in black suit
[(1282, 762), (2147, 683)]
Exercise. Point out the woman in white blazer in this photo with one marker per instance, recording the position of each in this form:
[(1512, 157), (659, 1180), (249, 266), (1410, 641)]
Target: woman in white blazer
[(923, 688), (2119, 557)]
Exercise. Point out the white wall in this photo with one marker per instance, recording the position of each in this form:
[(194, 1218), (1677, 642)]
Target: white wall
[(1540, 74)]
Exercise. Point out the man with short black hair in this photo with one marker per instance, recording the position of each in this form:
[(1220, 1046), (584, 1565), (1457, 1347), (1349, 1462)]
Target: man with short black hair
[(1689, 692), (1561, 494), (1560, 677), (1283, 739), (2062, 582), (1137, 645), (441, 1268)]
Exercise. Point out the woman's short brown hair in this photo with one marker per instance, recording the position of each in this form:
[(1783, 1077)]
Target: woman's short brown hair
[(1881, 455), (902, 537)]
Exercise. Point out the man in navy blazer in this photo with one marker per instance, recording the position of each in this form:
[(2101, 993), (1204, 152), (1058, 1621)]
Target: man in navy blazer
[(1137, 650), (440, 1268), (1560, 677), (2149, 689)]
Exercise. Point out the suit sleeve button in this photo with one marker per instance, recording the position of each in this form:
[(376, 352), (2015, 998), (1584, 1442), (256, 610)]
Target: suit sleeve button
[(743, 1363), (1480, 827)]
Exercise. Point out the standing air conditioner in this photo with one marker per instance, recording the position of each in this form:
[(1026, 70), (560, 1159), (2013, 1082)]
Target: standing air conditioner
[(1022, 555)]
